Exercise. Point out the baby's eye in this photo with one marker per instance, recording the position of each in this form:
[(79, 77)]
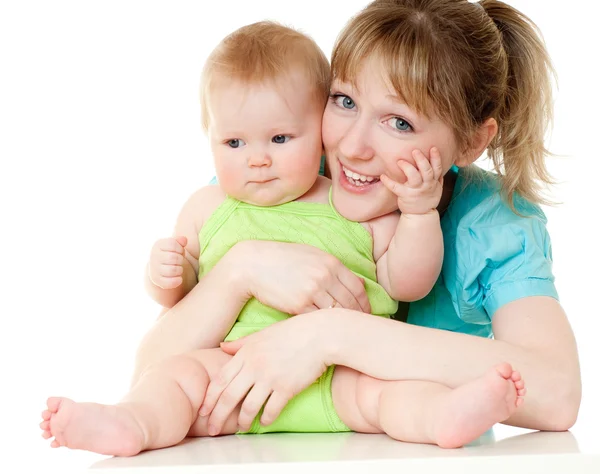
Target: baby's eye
[(280, 139), (344, 101), (400, 124), (235, 142)]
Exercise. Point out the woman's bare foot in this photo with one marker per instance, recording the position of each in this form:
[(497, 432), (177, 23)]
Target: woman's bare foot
[(103, 429), (472, 409)]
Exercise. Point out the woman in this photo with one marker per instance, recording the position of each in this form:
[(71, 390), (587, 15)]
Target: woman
[(481, 72)]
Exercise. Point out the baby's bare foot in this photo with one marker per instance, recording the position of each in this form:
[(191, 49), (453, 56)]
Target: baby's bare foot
[(474, 408), (103, 429)]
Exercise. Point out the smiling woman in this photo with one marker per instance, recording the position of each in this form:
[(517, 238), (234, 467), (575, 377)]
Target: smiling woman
[(102, 143), (369, 131)]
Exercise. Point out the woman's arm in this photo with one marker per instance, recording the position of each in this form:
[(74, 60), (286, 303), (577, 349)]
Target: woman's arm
[(292, 278), (532, 333)]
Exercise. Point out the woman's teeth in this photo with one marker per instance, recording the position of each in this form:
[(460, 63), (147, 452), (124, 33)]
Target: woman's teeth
[(358, 179)]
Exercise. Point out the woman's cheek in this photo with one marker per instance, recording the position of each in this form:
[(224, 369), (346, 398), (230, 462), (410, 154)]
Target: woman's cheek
[(330, 129)]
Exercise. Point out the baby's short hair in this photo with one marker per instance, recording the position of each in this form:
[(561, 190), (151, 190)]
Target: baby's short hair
[(265, 51)]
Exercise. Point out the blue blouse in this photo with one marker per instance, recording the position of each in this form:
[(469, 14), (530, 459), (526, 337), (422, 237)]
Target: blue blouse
[(492, 256)]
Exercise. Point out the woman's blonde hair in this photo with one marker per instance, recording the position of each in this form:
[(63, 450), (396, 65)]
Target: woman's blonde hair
[(265, 51), (465, 62)]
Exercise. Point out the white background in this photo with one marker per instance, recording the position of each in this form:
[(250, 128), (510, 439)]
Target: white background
[(100, 145)]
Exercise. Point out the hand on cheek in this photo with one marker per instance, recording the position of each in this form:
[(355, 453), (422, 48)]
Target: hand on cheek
[(420, 190)]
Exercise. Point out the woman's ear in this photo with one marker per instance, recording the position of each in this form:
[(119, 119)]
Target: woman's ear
[(483, 136)]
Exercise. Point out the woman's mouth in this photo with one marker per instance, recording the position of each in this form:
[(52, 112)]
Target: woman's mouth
[(353, 181)]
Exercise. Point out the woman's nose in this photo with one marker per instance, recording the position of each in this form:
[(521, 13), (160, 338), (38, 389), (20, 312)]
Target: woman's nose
[(355, 144)]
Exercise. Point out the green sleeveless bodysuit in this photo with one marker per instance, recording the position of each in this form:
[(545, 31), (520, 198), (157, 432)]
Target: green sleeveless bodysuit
[(314, 224)]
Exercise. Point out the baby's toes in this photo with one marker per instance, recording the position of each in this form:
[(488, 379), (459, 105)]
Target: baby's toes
[(53, 404), (504, 370), (45, 425), (46, 434), (519, 384), (519, 402), (521, 392), (46, 414), (55, 444), (516, 376)]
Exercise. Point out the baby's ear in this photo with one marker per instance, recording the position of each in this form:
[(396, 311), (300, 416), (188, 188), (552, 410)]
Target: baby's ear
[(483, 136)]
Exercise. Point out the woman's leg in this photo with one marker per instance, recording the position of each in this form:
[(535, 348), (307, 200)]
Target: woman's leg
[(158, 411), (427, 412)]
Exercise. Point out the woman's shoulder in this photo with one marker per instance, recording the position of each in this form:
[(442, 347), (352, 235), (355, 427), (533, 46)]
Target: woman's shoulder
[(493, 255), (478, 202)]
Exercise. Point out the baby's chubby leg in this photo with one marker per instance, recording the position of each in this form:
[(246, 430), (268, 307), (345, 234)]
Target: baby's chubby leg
[(427, 412), (157, 412)]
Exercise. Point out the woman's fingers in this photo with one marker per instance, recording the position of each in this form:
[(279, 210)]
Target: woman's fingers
[(356, 287), (276, 403), (219, 384), (324, 300), (251, 406), (233, 394)]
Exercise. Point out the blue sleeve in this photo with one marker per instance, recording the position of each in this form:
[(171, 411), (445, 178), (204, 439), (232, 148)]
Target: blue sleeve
[(506, 257)]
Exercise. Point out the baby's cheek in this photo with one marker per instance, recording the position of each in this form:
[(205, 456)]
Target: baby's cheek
[(229, 177)]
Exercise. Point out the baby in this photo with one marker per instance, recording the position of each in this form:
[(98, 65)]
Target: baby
[(264, 90)]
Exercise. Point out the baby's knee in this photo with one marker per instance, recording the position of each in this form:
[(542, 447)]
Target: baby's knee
[(183, 368)]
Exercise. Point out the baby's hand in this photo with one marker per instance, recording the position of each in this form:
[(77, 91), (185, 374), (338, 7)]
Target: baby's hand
[(166, 262), (422, 190)]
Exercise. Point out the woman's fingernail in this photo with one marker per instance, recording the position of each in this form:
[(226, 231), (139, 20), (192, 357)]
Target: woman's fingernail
[(212, 430)]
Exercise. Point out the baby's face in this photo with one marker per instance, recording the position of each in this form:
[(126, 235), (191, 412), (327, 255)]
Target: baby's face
[(265, 139)]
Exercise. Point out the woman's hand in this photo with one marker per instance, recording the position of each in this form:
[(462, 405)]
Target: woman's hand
[(275, 363), (298, 278)]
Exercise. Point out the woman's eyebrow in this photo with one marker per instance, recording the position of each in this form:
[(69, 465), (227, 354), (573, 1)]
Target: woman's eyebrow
[(398, 100)]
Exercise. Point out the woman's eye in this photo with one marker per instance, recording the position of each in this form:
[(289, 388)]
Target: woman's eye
[(280, 139), (344, 101), (235, 143), (400, 124)]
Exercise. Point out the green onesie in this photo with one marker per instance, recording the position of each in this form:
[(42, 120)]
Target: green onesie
[(304, 223)]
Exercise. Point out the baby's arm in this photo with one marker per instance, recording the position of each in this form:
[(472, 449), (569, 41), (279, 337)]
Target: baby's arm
[(410, 266), (172, 271)]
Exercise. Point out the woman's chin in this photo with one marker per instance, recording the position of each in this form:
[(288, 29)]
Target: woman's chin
[(357, 213)]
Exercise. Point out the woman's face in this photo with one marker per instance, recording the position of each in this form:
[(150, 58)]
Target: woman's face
[(366, 131)]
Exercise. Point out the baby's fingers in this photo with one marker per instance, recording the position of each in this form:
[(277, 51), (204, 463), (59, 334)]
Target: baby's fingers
[(424, 166), (413, 175), (168, 283), (169, 257), (435, 159), (392, 185), (176, 245)]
